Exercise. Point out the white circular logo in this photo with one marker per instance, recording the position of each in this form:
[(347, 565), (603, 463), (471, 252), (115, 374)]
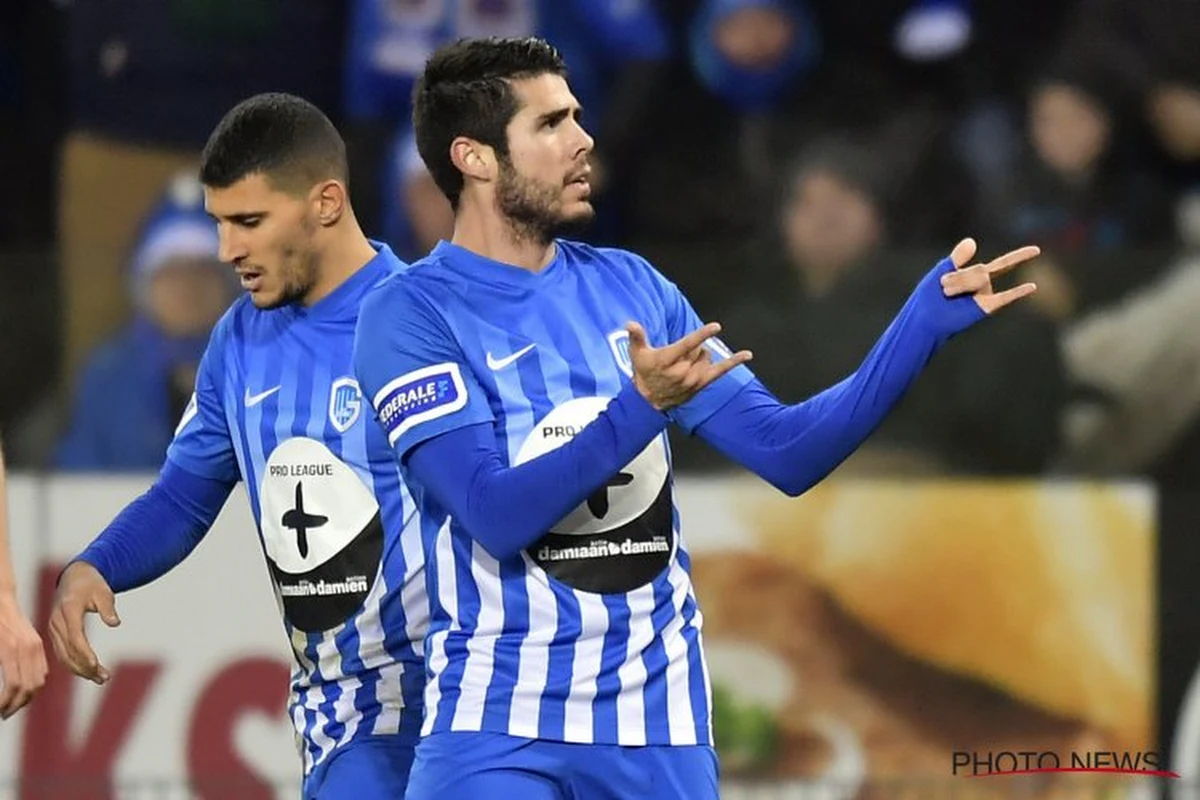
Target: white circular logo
[(626, 496), (322, 531), (313, 505), (622, 536)]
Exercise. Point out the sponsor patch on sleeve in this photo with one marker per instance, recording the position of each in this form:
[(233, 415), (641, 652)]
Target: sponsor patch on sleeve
[(419, 396)]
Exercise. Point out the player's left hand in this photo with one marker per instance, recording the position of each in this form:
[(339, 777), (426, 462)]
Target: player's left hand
[(976, 280), (82, 590), (22, 658)]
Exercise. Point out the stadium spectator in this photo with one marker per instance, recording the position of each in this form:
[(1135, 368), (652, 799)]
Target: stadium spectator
[(829, 280), (135, 386), (147, 81), (1079, 195)]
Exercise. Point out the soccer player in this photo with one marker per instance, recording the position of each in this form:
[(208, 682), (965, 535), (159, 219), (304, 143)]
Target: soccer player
[(22, 658), (525, 382), (276, 405)]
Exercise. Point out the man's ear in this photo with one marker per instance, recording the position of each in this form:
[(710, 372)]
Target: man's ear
[(331, 200), (473, 159)]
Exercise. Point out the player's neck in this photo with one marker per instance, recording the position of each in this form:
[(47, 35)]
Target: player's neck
[(492, 236), (347, 253)]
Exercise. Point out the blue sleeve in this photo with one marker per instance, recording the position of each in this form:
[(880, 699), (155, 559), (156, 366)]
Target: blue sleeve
[(794, 447), (506, 509), (203, 445), (158, 530), (626, 30), (412, 369), (680, 319)]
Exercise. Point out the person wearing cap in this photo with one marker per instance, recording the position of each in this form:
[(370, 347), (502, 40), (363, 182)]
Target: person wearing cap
[(135, 386)]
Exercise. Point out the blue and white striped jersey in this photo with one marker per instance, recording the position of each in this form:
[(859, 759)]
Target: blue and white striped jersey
[(277, 405), (592, 634)]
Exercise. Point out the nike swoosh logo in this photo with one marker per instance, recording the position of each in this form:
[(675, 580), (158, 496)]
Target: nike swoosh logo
[(255, 399), (500, 363)]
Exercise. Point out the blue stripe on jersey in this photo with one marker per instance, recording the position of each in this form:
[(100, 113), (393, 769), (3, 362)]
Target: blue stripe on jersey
[(507, 653), (515, 412), (467, 599), (240, 426), (655, 660), (552, 718), (556, 362), (608, 684)]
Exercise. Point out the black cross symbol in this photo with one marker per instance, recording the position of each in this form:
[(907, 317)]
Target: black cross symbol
[(300, 521), (598, 502)]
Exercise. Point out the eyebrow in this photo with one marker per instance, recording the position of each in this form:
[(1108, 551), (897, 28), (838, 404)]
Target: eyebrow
[(238, 219), (559, 114)]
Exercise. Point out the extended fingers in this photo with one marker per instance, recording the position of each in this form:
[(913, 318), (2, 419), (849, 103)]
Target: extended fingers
[(991, 303), (637, 335), (963, 252), (684, 346), (998, 266), (80, 657)]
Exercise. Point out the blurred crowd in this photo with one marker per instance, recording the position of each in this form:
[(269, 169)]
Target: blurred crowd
[(794, 165)]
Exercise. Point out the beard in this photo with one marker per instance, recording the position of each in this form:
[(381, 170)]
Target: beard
[(534, 209), (299, 272)]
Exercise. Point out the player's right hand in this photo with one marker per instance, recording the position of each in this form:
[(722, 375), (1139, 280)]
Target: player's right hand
[(671, 375), (81, 590)]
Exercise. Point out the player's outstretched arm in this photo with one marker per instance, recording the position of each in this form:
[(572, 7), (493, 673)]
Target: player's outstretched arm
[(794, 447), (150, 536), (22, 657)]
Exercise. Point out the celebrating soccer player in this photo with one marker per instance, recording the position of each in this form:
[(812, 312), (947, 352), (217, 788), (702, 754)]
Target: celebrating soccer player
[(526, 382), (276, 405)]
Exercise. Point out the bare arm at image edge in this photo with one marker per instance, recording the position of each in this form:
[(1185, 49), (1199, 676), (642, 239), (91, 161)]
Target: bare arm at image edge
[(22, 658)]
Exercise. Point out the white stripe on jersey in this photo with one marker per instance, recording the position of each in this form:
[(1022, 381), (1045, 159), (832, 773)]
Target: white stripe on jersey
[(344, 708), (481, 653), (388, 695), (316, 733), (631, 706), (371, 651), (698, 624), (585, 668), (533, 656), (412, 594), (447, 590), (299, 724), (680, 720)]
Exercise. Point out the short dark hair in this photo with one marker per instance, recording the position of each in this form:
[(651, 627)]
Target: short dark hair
[(465, 90), (286, 138)]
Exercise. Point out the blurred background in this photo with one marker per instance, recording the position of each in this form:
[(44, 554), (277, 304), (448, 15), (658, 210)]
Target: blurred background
[(794, 166)]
